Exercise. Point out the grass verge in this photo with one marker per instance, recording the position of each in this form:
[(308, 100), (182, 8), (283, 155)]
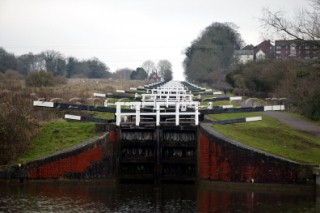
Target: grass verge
[(272, 136), (104, 115), (55, 136)]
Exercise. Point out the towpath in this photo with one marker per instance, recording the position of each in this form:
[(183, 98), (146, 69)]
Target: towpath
[(290, 121)]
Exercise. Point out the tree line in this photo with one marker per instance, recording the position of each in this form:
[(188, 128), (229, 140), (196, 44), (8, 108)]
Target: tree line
[(54, 62), (163, 69)]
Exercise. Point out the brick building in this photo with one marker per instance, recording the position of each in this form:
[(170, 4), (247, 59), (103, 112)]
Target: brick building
[(252, 53), (264, 50), (295, 49)]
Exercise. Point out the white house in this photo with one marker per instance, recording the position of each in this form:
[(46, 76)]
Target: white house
[(244, 56), (260, 55)]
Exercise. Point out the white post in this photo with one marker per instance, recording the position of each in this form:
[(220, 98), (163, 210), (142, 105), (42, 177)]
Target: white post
[(118, 114), (137, 115), (196, 116), (177, 113), (158, 115)]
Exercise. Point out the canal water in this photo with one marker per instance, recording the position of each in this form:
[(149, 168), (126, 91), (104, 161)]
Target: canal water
[(101, 197)]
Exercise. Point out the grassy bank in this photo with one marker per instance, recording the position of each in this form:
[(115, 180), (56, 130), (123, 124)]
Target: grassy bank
[(55, 136), (272, 136)]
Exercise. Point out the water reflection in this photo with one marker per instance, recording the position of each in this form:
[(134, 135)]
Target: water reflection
[(90, 197), (249, 201)]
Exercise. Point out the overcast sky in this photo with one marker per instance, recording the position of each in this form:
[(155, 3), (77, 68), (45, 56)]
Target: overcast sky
[(125, 33)]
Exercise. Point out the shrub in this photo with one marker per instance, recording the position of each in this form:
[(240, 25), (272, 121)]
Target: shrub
[(44, 79), (40, 79), (17, 128), (312, 107), (60, 80), (12, 75), (295, 80)]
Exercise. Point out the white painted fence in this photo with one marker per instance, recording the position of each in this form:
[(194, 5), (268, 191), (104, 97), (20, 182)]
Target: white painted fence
[(158, 111)]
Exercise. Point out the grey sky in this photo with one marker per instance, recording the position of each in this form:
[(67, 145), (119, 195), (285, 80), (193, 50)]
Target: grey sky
[(125, 33)]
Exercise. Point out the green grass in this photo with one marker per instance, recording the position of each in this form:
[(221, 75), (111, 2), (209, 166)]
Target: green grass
[(219, 103), (55, 136), (114, 100), (272, 136), (104, 115)]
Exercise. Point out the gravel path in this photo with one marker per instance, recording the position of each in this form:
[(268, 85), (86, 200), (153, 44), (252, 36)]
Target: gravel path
[(289, 120), (295, 122)]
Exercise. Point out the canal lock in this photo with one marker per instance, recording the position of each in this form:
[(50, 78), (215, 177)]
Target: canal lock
[(158, 154)]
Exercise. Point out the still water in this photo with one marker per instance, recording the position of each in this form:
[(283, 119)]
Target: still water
[(98, 197)]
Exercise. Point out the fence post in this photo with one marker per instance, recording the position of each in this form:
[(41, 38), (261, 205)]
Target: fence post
[(158, 115), (137, 114), (177, 113), (196, 116), (118, 114)]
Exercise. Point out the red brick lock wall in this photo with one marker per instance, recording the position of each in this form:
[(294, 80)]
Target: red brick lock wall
[(75, 163), (221, 160)]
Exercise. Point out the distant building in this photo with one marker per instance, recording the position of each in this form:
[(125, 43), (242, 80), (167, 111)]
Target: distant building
[(264, 50), (248, 47), (253, 53), (283, 49), (295, 49), (260, 55), (245, 55)]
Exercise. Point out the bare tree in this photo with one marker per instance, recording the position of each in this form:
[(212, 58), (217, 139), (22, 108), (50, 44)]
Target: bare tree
[(304, 27), (316, 5), (149, 66), (165, 69), (55, 62)]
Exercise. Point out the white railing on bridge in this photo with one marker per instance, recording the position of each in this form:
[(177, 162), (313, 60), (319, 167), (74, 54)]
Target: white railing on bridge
[(169, 90), (158, 111), (166, 97)]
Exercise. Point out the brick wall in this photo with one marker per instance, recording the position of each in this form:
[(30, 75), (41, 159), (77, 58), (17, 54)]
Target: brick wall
[(221, 159), (92, 159), (77, 163)]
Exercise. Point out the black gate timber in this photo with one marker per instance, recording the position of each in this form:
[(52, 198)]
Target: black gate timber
[(164, 153)]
